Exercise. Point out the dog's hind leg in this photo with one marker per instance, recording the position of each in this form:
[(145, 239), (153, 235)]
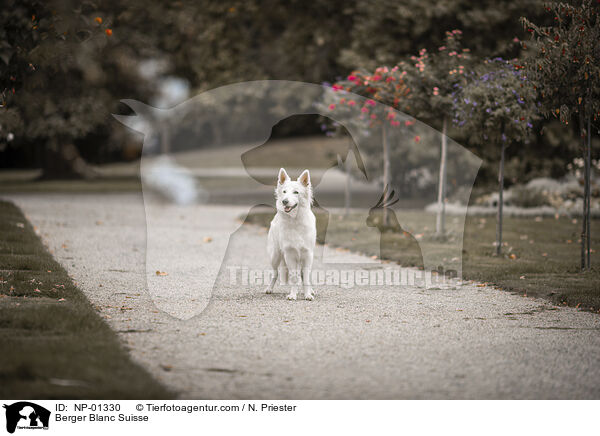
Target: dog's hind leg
[(276, 258)]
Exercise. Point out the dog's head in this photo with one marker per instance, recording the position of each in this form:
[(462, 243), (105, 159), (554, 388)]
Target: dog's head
[(291, 194)]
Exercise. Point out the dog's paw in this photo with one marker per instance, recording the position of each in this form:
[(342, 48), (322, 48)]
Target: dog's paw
[(291, 297), (309, 296), (268, 291)]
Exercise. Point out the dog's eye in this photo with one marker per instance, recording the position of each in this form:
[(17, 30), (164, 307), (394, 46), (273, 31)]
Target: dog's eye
[(284, 192), (295, 192)]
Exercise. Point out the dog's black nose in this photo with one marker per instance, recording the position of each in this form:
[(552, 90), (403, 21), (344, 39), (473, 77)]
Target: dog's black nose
[(285, 202)]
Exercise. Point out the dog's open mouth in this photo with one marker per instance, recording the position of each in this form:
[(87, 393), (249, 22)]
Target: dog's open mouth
[(288, 209)]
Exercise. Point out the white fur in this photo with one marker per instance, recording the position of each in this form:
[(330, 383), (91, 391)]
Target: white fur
[(293, 233)]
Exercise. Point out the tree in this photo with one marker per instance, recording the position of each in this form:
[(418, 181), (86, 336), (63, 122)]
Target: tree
[(54, 72), (433, 79), (387, 86), (499, 109), (564, 65)]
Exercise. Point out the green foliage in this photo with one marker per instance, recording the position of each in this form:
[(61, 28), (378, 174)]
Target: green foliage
[(564, 60), (385, 31), (214, 43), (49, 70)]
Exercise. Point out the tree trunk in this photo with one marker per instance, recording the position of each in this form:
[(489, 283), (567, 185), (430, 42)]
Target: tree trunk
[(589, 193), (441, 201), (500, 202), (386, 169), (62, 160), (347, 190), (584, 215)]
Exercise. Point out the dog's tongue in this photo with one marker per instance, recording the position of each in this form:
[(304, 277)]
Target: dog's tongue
[(287, 208)]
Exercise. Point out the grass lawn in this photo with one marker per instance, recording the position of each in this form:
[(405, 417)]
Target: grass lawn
[(541, 256), (54, 344)]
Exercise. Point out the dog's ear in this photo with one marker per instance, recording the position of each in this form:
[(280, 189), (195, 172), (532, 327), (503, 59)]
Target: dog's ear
[(283, 176), (304, 178)]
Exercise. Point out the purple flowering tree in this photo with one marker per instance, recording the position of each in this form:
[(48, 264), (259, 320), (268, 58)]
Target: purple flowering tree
[(498, 109), (564, 65)]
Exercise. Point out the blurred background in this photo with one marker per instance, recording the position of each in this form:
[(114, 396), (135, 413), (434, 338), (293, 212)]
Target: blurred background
[(65, 66)]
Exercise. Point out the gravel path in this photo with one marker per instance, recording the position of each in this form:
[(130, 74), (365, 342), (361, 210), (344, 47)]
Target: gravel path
[(467, 342)]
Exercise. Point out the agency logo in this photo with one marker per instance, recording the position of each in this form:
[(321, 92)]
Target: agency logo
[(26, 415)]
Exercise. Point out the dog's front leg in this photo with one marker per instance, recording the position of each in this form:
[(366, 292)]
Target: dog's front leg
[(293, 266), (275, 262), (306, 271)]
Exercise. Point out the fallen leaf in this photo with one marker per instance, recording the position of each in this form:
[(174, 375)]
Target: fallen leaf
[(513, 256), (161, 273), (61, 299), (166, 367), (207, 239), (545, 254), (36, 290), (522, 277)]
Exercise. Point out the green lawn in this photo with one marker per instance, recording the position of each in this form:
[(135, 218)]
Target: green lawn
[(54, 344), (541, 256)]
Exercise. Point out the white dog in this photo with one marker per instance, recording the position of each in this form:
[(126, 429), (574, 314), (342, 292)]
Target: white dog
[(293, 233)]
